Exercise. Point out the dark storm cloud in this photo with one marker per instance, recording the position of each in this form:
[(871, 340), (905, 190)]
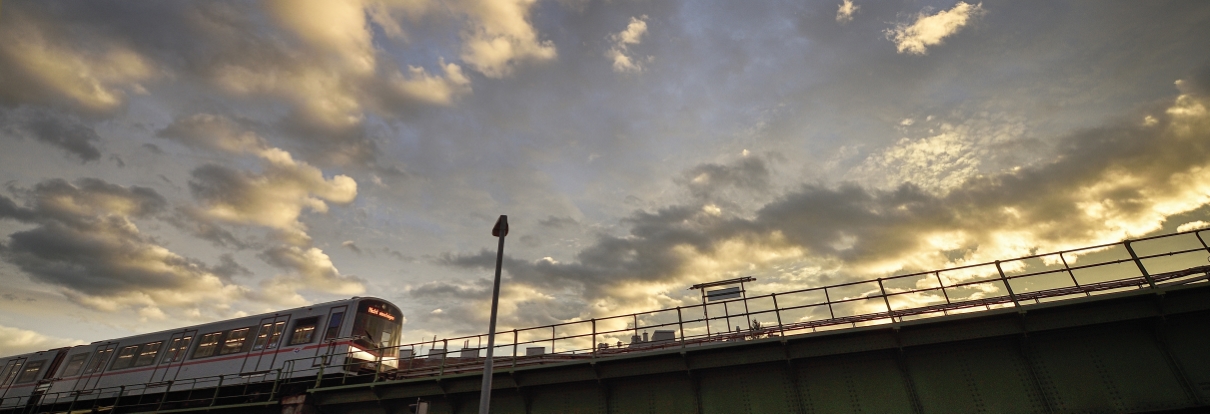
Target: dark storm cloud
[(65, 132), (85, 242)]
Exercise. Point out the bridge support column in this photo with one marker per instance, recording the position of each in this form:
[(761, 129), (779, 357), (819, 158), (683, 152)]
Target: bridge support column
[(297, 404)]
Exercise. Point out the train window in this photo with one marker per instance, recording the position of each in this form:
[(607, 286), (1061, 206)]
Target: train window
[(304, 331), (125, 357), (74, 364), (98, 360), (147, 354), (176, 349), (207, 345), (236, 339), (269, 335), (334, 325), (30, 371), (9, 373)]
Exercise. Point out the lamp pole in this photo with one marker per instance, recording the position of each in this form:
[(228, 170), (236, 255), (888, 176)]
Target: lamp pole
[(485, 392)]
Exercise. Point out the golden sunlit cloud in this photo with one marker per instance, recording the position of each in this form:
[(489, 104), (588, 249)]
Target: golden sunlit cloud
[(930, 30)]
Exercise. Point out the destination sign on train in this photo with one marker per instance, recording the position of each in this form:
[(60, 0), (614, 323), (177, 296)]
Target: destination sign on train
[(382, 313)]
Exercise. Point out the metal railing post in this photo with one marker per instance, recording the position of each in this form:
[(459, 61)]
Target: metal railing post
[(889, 312), (1139, 263), (827, 298), (217, 388), (378, 363), (1198, 233), (552, 339), (445, 343), (160, 406), (594, 337), (1008, 286), (277, 381), (681, 325), (69, 406), (514, 349), (747, 313), (781, 329), (726, 314), (941, 285), (318, 376), (1072, 274), (117, 400)]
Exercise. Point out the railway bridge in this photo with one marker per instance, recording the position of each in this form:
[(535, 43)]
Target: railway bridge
[(1122, 327)]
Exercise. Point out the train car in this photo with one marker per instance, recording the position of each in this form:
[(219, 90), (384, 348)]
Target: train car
[(26, 375), (338, 336)]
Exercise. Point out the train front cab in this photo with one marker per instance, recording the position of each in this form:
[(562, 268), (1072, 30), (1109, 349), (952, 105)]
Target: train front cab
[(376, 334)]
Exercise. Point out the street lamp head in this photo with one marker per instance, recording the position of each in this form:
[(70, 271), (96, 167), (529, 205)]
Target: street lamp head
[(501, 228)]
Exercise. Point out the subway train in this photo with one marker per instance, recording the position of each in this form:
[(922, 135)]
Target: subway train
[(339, 336)]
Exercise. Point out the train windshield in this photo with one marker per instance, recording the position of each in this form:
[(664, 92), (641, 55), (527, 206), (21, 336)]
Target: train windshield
[(378, 326)]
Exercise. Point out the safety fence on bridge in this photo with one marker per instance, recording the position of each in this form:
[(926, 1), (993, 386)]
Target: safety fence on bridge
[(1144, 263)]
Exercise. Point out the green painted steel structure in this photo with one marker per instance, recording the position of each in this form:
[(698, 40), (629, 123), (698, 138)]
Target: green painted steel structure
[(1135, 351), (1127, 330), (1144, 350)]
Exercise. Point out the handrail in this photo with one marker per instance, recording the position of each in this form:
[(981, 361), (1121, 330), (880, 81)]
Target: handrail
[(890, 306), (878, 303)]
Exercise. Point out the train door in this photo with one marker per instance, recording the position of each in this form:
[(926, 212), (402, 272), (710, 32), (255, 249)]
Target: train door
[(170, 365), (327, 343), (264, 350), (8, 375), (96, 364)]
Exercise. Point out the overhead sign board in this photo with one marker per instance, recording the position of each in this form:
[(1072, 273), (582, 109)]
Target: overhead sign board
[(723, 294)]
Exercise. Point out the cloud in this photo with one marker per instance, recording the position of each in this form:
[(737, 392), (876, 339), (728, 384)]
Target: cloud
[(215, 133), (1193, 225), (195, 222), (844, 13), (66, 132), (310, 270), (15, 341), (344, 75), (349, 244), (622, 41), (499, 36), (558, 222), (228, 268), (1102, 185), (929, 30), (706, 180), (946, 159), (45, 64), (273, 198), (86, 243)]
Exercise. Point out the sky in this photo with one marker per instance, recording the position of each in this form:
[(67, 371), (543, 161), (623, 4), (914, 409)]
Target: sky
[(174, 163)]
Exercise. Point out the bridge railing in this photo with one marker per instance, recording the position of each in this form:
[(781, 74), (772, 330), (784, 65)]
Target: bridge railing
[(152, 396), (1143, 263)]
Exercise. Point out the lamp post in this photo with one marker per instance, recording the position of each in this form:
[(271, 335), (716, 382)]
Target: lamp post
[(485, 392)]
